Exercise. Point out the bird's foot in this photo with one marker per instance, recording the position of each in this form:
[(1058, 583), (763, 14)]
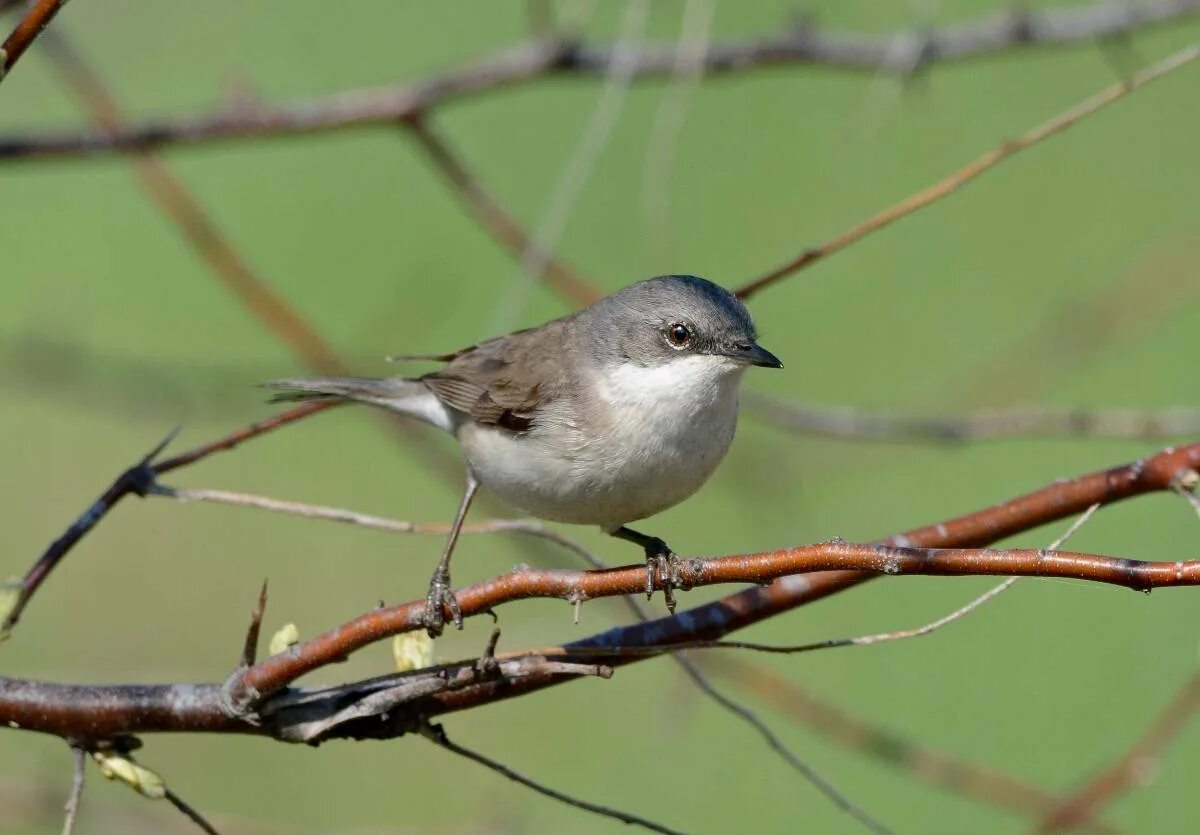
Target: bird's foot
[(439, 598), (661, 560)]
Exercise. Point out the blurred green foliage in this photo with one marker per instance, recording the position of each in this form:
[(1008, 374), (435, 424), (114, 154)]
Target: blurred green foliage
[(112, 331)]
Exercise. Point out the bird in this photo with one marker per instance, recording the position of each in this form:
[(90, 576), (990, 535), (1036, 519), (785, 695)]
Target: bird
[(603, 417)]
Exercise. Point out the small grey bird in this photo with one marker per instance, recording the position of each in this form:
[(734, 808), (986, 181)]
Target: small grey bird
[(602, 417)]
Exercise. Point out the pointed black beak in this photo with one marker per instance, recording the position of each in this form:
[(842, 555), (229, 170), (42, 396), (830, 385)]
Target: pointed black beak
[(752, 353)]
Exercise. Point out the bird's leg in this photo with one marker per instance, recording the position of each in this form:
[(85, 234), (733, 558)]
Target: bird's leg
[(440, 595), (658, 556)]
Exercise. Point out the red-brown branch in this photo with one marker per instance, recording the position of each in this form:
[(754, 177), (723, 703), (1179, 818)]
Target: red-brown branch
[(36, 19), (73, 710)]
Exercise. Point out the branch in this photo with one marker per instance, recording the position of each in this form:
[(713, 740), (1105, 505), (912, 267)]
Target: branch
[(499, 223), (800, 45), (937, 768), (36, 19), (1133, 766), (437, 735), (81, 711), (852, 423), (974, 169), (138, 480)]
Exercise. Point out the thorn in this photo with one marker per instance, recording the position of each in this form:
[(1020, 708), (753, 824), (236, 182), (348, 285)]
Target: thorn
[(250, 648)]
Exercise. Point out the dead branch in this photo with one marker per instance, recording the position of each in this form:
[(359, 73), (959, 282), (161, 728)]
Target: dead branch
[(805, 44)]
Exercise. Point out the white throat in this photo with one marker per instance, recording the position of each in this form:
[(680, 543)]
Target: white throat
[(688, 385)]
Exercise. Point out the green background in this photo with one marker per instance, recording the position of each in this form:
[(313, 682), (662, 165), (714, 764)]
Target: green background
[(1067, 277)]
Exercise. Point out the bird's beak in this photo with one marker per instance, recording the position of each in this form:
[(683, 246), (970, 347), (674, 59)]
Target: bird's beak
[(752, 353)]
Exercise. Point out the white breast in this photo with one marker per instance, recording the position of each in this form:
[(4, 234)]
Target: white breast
[(644, 440)]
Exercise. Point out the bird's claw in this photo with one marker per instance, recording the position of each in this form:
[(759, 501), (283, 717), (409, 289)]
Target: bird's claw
[(662, 560), (439, 598)]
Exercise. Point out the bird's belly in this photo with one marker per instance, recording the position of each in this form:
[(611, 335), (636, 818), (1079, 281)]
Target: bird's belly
[(608, 478)]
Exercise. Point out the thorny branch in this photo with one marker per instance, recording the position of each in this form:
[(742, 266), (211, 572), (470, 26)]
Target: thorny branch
[(803, 44), (81, 711)]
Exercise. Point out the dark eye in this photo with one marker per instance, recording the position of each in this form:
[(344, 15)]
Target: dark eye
[(679, 334)]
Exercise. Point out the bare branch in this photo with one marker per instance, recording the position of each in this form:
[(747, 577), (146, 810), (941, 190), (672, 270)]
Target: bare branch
[(437, 735), (741, 711), (974, 169), (528, 527), (139, 480), (851, 423), (36, 19), (800, 45), (106, 711), (78, 772)]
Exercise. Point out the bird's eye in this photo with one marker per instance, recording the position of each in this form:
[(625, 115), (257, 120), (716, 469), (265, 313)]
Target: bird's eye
[(678, 334)]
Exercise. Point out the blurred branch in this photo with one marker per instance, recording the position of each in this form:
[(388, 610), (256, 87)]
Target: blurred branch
[(937, 768), (498, 222), (804, 44), (40, 13), (1133, 767), (852, 423), (175, 201), (974, 169)]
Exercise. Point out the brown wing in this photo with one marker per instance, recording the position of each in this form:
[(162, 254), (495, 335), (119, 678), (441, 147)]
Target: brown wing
[(504, 381)]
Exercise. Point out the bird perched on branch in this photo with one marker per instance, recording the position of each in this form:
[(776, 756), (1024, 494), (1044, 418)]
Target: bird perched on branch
[(602, 417)]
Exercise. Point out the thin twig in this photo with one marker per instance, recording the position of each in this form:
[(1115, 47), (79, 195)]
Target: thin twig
[(950, 773), (78, 772), (193, 815), (529, 527), (36, 19), (974, 169), (851, 423), (805, 44), (741, 711), (437, 735)]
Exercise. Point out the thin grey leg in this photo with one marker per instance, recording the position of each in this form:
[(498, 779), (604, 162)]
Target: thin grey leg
[(440, 595)]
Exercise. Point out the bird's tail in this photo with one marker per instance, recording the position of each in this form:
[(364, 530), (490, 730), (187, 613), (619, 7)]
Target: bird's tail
[(408, 397)]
